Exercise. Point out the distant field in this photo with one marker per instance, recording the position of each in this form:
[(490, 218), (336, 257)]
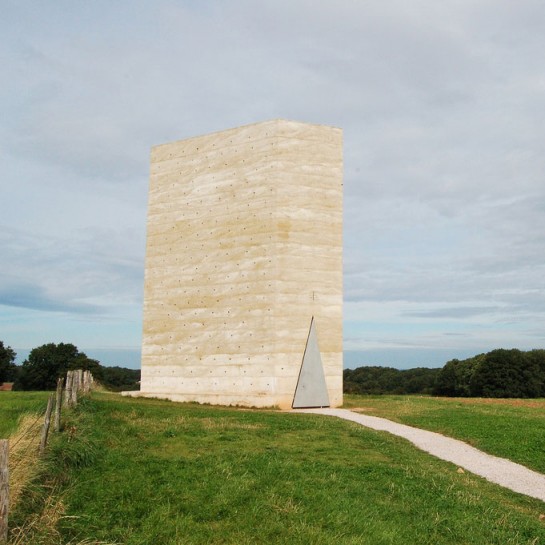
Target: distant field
[(511, 428), (14, 404), (140, 471)]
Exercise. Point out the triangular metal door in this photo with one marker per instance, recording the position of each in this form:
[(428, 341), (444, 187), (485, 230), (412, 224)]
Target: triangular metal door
[(311, 390)]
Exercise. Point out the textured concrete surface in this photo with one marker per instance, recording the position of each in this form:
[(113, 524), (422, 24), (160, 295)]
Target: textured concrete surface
[(497, 470), (244, 247)]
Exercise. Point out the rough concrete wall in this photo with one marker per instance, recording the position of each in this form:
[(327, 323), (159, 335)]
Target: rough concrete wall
[(309, 249), (244, 246)]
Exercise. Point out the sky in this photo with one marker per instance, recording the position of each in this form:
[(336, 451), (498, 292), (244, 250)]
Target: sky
[(442, 105)]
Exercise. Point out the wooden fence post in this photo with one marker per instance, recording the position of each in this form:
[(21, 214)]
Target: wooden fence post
[(74, 382), (4, 490), (47, 422), (68, 389), (74, 391), (58, 403), (86, 382), (75, 387), (71, 388)]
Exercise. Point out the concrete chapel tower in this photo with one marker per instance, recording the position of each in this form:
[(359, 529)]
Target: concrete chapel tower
[(243, 279)]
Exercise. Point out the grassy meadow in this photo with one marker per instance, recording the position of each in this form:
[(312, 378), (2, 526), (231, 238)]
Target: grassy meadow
[(140, 471), (510, 428), (15, 404)]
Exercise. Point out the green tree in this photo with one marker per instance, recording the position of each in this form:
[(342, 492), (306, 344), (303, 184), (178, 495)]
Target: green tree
[(536, 361), (120, 378), (371, 380), (446, 384), (507, 373), (50, 361), (387, 380), (454, 379), (8, 369), (419, 380)]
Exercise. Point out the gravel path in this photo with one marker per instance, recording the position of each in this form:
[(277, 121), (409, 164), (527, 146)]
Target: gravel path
[(497, 470)]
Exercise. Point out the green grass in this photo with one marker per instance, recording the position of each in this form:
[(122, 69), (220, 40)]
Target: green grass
[(15, 404), (139, 472), (511, 428)]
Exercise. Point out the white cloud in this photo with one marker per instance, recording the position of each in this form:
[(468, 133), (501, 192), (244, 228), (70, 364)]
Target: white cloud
[(443, 109)]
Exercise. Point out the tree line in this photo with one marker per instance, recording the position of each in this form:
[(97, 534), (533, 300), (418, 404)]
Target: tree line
[(499, 373), (46, 363), (375, 380)]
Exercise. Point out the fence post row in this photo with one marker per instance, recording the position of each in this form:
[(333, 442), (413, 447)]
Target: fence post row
[(4, 489), (75, 380)]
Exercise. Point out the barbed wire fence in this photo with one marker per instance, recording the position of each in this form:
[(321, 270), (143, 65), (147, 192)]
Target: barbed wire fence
[(25, 445)]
